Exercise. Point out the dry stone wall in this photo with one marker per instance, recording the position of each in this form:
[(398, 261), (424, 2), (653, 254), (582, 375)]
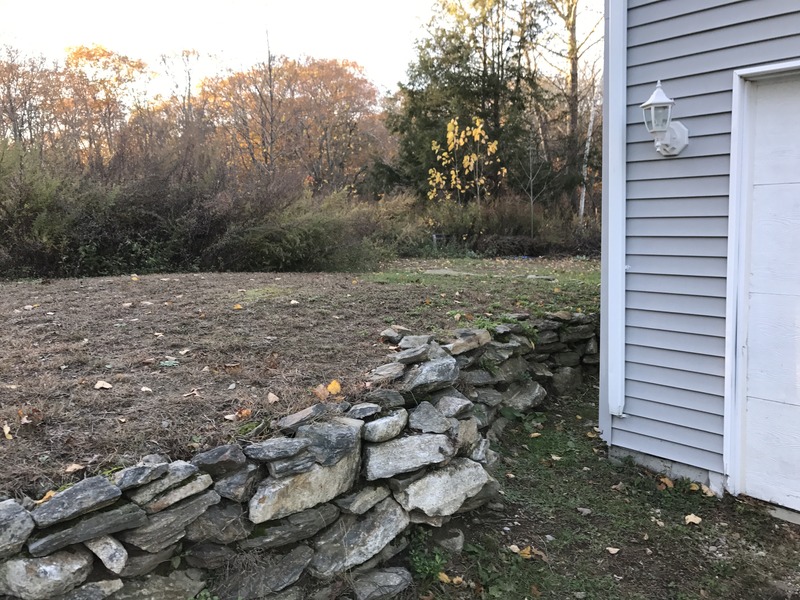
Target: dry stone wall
[(332, 491)]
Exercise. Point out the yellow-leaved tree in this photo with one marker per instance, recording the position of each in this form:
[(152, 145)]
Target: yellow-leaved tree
[(469, 164)]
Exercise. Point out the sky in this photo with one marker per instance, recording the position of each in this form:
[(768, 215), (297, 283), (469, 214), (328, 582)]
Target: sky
[(377, 34)]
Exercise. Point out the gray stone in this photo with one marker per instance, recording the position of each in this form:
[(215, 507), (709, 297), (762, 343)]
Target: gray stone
[(141, 563), (175, 495), (443, 491), (430, 376), (402, 455), (40, 578), (478, 453), (567, 359), (305, 416), (497, 352), (85, 496), (261, 580), (392, 549), (523, 316), (497, 428), (514, 369), (415, 341), (281, 447), (484, 415), (138, 475), (591, 346), (522, 344), (506, 328), (566, 380), (332, 440), (546, 325), (489, 397), (419, 517), (284, 467), (468, 339), (94, 590), (88, 527), (591, 359), (276, 498), (545, 350), (488, 493), (410, 356), (178, 585), (468, 437), (363, 410), (545, 338), (448, 392), (402, 480), (169, 526), (386, 373), (386, 398), (449, 538), (465, 361), (364, 499), (392, 335), (222, 523), (239, 486), (575, 333), (524, 396), (540, 372), (209, 556), (177, 472), (220, 460), (478, 378), (357, 539), (451, 406), (294, 528), (110, 552), (381, 584), (386, 428), (427, 419), (16, 525)]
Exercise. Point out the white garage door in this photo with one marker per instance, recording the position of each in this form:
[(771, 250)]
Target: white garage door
[(771, 394)]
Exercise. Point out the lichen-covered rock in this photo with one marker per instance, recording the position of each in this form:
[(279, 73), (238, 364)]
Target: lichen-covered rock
[(331, 440), (262, 580), (220, 460), (443, 491), (240, 485), (357, 539), (363, 410), (139, 475), (85, 528), (524, 396), (427, 419), (169, 526), (468, 339), (276, 448), (41, 578), (193, 486), (222, 523), (110, 552), (403, 455), (178, 585), (294, 528), (277, 498), (85, 496), (386, 428), (16, 525), (430, 376), (381, 584), (361, 501)]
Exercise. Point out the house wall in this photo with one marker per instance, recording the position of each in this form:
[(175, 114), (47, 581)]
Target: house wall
[(675, 215)]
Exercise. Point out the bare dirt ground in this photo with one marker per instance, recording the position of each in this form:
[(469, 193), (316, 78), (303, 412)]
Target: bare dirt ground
[(182, 351)]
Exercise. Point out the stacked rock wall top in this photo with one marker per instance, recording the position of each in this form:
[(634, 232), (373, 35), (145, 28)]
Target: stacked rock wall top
[(332, 491)]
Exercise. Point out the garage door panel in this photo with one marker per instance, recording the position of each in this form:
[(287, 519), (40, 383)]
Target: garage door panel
[(775, 239), (773, 348), (777, 153)]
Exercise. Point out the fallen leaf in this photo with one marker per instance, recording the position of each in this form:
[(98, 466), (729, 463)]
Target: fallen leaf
[(102, 385), (707, 491), (458, 580), (510, 476), (667, 482), (444, 577), (237, 307), (127, 304), (73, 468), (45, 498), (134, 278), (612, 551), (554, 457), (591, 434), (272, 398), (146, 389), (514, 548), (7, 431), (540, 554), (232, 386), (294, 302), (584, 511), (535, 434), (428, 596), (194, 392), (321, 392), (694, 487), (525, 553), (692, 519), (184, 352), (535, 591), (243, 414), (620, 487), (658, 522), (122, 419), (334, 387)]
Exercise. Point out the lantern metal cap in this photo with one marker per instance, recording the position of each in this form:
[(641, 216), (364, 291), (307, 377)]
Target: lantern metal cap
[(658, 98)]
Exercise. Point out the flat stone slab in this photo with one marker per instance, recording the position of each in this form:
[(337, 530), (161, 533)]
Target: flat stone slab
[(221, 524), (402, 455), (427, 419), (177, 472), (468, 339), (262, 580), (430, 376), (364, 499), (220, 460), (85, 496), (331, 441), (139, 475), (294, 528), (175, 495), (276, 448), (175, 586), (94, 590), (240, 485), (385, 428), (386, 398), (40, 578), (110, 552), (524, 396), (381, 584)]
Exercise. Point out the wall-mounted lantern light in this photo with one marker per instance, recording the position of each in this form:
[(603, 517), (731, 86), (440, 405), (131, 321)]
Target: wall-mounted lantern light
[(671, 137)]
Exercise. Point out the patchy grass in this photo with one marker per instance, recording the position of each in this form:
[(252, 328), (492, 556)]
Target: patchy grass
[(593, 528)]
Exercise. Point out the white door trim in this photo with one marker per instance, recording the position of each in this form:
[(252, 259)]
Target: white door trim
[(738, 253)]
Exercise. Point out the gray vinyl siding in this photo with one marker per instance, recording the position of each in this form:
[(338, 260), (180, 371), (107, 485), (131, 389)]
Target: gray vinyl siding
[(676, 216)]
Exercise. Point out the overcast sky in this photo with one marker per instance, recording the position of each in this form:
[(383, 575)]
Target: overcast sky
[(377, 34)]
